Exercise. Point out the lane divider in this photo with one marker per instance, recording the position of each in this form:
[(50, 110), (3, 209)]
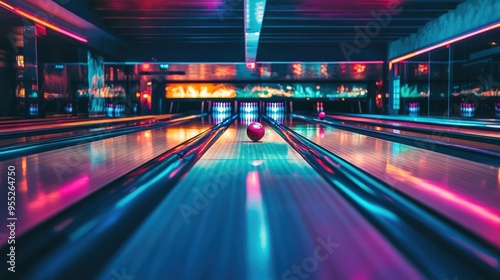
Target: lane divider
[(439, 247)]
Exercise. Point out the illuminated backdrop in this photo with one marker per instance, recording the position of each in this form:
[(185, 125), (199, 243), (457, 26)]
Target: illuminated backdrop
[(268, 90)]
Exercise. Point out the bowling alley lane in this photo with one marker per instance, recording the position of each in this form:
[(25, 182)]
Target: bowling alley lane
[(434, 134), (72, 123), (465, 191), (256, 211), (104, 123), (51, 181), (438, 125)]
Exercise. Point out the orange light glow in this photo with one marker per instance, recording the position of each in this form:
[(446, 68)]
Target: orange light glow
[(379, 96), (360, 68), (43, 22), (146, 66), (423, 68), (6, 5), (23, 184), (200, 91), (297, 69), (145, 96), (459, 38)]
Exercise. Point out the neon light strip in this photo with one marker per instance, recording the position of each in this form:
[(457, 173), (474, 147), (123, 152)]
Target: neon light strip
[(6, 5), (451, 41), (43, 22), (327, 62), (241, 63)]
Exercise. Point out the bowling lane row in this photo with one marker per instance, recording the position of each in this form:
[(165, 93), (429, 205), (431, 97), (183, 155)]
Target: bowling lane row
[(465, 191), (438, 125), (104, 126), (429, 134), (257, 211), (75, 123), (49, 182)]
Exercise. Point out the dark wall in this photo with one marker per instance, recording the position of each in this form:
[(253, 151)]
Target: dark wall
[(7, 84), (320, 52), (235, 53), (185, 53)]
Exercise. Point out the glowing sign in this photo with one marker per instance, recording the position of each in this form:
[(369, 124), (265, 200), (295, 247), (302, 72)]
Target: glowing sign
[(266, 91)]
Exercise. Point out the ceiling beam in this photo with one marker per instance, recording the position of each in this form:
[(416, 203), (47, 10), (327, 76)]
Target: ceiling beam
[(253, 18)]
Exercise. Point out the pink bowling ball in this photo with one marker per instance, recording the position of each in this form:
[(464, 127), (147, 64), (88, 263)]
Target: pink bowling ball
[(255, 131), (322, 115)]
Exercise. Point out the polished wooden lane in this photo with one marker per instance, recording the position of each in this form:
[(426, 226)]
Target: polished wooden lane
[(107, 125), (439, 125), (435, 136), (76, 123), (51, 181), (256, 211), (465, 191)]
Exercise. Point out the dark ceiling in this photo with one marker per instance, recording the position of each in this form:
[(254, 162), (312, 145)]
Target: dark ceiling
[(288, 25), (289, 21)]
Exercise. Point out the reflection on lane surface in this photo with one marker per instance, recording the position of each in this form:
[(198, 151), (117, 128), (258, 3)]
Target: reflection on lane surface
[(257, 211), (467, 192), (53, 180), (438, 126)]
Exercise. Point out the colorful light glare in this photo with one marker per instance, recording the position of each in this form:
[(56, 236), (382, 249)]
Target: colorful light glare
[(7, 6), (448, 42), (43, 22)]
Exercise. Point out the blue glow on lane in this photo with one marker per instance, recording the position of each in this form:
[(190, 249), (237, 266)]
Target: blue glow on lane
[(259, 264)]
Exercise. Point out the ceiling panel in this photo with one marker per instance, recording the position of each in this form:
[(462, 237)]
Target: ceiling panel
[(286, 22)]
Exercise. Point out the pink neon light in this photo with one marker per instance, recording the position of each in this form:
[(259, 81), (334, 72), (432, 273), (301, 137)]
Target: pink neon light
[(74, 186), (451, 41), (46, 198), (447, 195), (459, 200), (6, 5), (332, 62), (254, 196), (43, 22)]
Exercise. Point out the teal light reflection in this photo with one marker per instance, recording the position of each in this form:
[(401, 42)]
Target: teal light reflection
[(369, 206), (131, 196)]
